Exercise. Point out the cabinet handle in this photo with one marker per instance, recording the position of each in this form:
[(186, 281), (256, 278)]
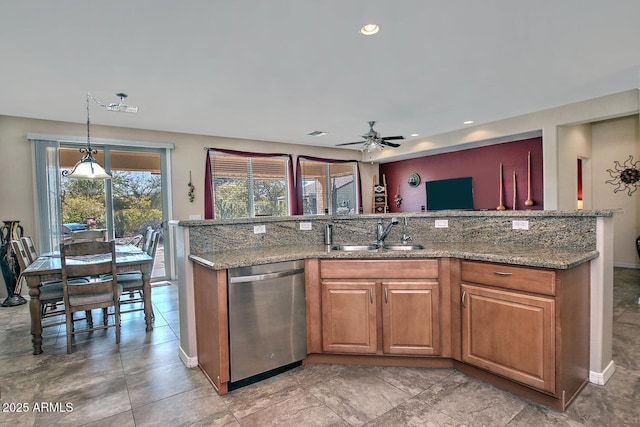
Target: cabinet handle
[(464, 294), (386, 295), (502, 273)]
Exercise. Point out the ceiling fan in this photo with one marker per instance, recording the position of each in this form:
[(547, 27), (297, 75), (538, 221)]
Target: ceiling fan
[(373, 140)]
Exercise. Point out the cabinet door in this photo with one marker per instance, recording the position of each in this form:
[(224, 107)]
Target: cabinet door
[(349, 317), (411, 317), (510, 334)]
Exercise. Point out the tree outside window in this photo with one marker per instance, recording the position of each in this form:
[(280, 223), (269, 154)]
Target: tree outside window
[(246, 187)]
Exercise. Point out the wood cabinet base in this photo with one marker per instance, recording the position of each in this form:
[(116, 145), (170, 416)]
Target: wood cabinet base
[(558, 403), (379, 360)]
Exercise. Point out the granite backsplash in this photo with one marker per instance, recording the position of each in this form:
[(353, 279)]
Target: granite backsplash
[(575, 230)]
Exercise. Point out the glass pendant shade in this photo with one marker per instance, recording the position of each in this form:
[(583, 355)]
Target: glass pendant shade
[(87, 168)]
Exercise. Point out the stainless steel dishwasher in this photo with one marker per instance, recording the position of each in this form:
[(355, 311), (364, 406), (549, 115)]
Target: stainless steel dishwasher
[(267, 326)]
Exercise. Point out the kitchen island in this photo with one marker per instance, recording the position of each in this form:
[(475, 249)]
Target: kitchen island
[(569, 248)]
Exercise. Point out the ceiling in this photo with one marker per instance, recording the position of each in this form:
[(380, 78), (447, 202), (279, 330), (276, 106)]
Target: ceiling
[(276, 70)]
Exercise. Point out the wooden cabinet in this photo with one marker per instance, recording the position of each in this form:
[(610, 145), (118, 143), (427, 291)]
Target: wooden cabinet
[(526, 324), (389, 306), (349, 317), (212, 325), (411, 317), (510, 334)]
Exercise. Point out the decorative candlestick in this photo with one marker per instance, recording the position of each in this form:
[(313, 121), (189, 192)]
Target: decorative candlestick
[(529, 202), (501, 207), (514, 190)]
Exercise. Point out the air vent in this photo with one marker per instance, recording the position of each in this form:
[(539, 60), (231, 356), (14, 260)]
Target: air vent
[(317, 133)]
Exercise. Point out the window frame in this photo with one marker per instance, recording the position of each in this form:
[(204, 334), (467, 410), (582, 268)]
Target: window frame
[(251, 158), (327, 163)]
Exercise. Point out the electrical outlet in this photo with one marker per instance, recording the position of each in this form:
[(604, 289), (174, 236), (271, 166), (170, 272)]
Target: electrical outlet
[(259, 229), (305, 226), (520, 225), (442, 223)]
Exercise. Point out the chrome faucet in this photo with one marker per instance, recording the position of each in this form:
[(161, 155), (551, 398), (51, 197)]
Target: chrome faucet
[(405, 237), (384, 231)]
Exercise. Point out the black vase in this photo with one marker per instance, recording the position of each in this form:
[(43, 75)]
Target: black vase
[(10, 230)]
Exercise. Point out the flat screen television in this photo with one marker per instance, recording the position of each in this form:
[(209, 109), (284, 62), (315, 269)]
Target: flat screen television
[(450, 194)]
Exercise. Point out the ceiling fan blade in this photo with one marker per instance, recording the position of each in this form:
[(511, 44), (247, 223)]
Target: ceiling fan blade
[(390, 144), (389, 138), (351, 143)]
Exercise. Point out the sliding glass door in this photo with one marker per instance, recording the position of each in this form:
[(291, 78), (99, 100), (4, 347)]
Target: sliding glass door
[(136, 198)]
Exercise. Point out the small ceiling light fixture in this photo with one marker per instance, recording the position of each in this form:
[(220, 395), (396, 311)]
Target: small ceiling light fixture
[(369, 29), (468, 122), (88, 167), (415, 134)]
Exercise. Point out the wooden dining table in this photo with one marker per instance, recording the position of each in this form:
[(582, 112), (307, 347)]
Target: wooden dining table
[(48, 267)]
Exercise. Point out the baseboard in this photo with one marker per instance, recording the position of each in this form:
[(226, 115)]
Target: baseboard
[(161, 283), (601, 378), (627, 265), (189, 362)]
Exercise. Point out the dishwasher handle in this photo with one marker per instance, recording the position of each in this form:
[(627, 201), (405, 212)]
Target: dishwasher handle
[(266, 276)]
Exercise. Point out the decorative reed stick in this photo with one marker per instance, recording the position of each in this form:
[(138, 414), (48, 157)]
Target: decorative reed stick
[(501, 207), (529, 202), (514, 190)]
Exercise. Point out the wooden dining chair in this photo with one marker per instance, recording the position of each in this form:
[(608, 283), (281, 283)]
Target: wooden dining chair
[(146, 240), (27, 243), (98, 235), (51, 294), (95, 260), (131, 281)]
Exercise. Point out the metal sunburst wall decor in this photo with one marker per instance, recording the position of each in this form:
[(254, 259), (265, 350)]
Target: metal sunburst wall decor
[(625, 176)]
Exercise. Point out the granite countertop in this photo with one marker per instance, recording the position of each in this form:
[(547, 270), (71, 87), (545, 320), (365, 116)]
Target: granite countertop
[(507, 254)]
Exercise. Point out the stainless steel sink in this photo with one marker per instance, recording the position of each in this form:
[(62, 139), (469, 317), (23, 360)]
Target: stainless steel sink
[(403, 247), (369, 248)]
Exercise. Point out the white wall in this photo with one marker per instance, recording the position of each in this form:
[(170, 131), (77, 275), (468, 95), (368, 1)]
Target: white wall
[(616, 140)]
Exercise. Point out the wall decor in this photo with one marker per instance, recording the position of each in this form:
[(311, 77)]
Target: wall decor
[(515, 196), (501, 206), (191, 189), (625, 176), (414, 180), (398, 198), (528, 202)]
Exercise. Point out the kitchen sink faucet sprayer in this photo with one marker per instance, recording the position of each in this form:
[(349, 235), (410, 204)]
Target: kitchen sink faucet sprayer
[(383, 232)]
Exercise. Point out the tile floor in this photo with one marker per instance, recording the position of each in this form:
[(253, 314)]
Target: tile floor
[(145, 383)]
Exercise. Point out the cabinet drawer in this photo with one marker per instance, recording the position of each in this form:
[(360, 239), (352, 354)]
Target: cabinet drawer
[(379, 269), (510, 277)]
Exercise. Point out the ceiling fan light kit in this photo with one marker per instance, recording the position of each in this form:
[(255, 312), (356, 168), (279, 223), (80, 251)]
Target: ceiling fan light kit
[(373, 140), (121, 106)]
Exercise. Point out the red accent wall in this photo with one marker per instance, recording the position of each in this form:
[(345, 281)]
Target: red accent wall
[(482, 164)]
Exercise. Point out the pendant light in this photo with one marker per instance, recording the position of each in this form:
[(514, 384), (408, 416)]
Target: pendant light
[(88, 167)]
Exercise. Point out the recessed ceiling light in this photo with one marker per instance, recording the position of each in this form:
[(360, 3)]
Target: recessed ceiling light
[(415, 134), (317, 133), (468, 122), (370, 29)]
